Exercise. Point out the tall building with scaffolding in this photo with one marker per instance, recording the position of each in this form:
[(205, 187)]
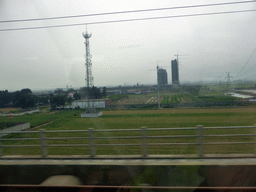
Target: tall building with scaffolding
[(175, 72), (161, 76)]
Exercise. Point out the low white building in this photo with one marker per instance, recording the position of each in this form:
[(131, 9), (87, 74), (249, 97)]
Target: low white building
[(83, 104)]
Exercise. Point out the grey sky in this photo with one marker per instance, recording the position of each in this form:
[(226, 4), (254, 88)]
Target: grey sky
[(123, 53)]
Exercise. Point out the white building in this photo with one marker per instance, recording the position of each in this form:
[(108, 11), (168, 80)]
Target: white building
[(83, 104)]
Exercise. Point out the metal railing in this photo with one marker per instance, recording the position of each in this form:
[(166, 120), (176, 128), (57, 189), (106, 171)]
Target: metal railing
[(143, 188), (143, 136)]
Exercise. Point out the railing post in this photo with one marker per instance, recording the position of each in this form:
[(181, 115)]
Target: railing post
[(145, 189), (92, 146), (200, 140), (254, 131), (43, 143), (144, 141), (1, 149)]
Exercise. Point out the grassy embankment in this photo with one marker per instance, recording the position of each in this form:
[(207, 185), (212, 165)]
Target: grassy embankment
[(136, 119)]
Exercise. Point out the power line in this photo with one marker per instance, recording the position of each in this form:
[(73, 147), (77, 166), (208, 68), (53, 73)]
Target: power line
[(245, 65), (128, 20), (247, 71), (124, 12), (250, 77)]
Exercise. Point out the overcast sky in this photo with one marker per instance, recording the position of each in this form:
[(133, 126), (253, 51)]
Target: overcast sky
[(123, 53)]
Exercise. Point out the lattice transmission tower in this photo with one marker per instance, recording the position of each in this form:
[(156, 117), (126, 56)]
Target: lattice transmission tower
[(88, 65), (228, 79)]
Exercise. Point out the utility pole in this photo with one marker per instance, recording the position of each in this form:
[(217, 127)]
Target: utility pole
[(219, 80), (228, 79)]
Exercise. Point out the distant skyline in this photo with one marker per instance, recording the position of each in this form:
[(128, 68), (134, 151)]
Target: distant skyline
[(124, 52)]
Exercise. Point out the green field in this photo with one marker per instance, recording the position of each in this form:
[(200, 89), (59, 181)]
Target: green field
[(40, 117), (170, 97), (128, 119)]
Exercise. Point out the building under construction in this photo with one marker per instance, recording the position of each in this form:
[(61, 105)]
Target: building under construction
[(175, 72), (161, 76)]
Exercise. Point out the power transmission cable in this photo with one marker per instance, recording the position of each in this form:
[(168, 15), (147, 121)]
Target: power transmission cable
[(247, 71), (128, 20), (250, 76), (238, 74), (133, 11)]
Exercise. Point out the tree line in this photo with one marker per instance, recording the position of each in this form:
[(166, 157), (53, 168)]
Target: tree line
[(94, 92), (26, 99), (23, 98)]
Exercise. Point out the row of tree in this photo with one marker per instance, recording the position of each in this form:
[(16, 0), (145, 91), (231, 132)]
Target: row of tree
[(23, 98), (94, 92), (58, 100), (26, 99)]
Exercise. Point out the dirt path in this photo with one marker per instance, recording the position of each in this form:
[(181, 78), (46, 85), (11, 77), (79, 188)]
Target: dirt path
[(42, 125)]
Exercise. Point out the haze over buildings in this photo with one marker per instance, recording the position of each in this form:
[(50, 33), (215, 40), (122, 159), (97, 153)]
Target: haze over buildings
[(124, 53)]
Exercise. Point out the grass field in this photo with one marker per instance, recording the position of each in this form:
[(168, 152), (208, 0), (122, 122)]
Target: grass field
[(175, 97), (39, 118), (127, 119)]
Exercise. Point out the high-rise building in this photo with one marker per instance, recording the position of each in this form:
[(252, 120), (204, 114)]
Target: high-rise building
[(175, 72), (161, 76)]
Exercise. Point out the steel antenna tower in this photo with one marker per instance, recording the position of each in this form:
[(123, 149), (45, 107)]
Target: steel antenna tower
[(88, 65)]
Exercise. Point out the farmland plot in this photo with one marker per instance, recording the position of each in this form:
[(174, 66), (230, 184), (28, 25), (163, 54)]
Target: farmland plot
[(185, 98), (132, 99), (138, 99), (177, 98), (152, 98)]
